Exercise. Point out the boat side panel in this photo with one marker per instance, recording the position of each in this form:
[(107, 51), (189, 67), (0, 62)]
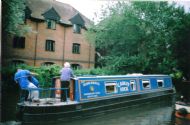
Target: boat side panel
[(96, 88), (167, 83), (77, 95)]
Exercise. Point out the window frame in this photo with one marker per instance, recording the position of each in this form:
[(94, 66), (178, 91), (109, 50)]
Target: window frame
[(47, 63), (51, 24), (76, 48), (158, 80), (75, 66), (19, 42), (114, 84), (50, 45), (144, 81), (135, 85), (17, 62), (76, 28)]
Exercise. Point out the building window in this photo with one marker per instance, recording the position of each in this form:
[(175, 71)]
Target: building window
[(19, 42), (111, 87), (146, 84), (47, 63), (17, 62), (160, 83), (50, 45), (76, 48), (51, 24), (76, 28), (75, 66)]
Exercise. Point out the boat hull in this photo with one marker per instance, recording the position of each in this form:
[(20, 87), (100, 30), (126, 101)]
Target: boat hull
[(182, 113), (56, 114)]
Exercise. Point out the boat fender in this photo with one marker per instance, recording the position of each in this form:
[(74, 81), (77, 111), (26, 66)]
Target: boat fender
[(182, 111)]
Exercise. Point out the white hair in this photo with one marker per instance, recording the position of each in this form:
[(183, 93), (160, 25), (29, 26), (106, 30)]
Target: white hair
[(67, 65)]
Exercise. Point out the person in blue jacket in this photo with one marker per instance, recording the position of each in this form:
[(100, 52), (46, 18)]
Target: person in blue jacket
[(26, 80)]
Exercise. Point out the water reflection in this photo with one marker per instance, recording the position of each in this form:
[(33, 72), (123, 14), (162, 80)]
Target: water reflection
[(158, 113), (149, 114)]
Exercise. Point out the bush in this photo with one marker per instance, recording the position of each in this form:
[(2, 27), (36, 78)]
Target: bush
[(46, 73), (97, 71)]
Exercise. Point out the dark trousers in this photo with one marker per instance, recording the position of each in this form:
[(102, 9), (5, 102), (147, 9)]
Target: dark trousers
[(64, 93), (24, 95)]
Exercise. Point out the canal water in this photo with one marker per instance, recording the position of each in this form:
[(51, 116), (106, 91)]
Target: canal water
[(156, 113), (148, 114)]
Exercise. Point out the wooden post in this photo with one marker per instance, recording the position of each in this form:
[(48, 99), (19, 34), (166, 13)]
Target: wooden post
[(58, 86), (71, 93)]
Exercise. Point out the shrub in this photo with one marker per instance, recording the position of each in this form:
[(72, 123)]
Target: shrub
[(97, 71), (46, 73)]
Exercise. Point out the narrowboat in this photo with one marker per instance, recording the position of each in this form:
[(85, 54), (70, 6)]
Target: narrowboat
[(182, 113), (95, 95), (182, 106)]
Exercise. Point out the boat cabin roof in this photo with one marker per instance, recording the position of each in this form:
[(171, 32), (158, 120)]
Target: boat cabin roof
[(121, 76)]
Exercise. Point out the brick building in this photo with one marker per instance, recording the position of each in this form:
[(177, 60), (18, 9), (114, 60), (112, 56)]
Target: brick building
[(57, 36)]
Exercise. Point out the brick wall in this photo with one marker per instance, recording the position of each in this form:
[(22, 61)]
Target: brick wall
[(64, 39)]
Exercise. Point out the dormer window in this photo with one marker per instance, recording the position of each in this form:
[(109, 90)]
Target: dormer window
[(76, 28), (51, 24), (51, 17), (77, 22)]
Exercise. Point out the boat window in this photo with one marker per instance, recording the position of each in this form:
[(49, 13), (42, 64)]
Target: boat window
[(110, 87), (160, 83), (133, 85), (146, 84)]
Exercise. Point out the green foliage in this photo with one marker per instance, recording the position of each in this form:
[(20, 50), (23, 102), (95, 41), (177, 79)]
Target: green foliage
[(139, 37), (7, 74), (177, 75), (97, 71), (13, 17), (46, 73)]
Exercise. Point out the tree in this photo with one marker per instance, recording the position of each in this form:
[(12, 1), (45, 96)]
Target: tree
[(139, 37), (182, 46), (13, 17)]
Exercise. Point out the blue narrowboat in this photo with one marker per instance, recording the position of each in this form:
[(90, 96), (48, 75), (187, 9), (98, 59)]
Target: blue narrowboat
[(96, 95)]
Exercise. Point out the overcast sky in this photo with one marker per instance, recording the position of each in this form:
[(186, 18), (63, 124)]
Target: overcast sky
[(90, 7)]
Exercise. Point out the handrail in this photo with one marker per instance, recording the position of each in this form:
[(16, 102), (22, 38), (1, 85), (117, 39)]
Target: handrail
[(29, 89), (45, 92)]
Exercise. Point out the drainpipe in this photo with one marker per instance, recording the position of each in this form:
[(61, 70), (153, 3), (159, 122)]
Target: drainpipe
[(36, 41), (63, 47), (0, 68), (89, 55)]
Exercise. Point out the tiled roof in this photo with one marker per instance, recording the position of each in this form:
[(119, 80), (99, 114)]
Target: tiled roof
[(65, 11)]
